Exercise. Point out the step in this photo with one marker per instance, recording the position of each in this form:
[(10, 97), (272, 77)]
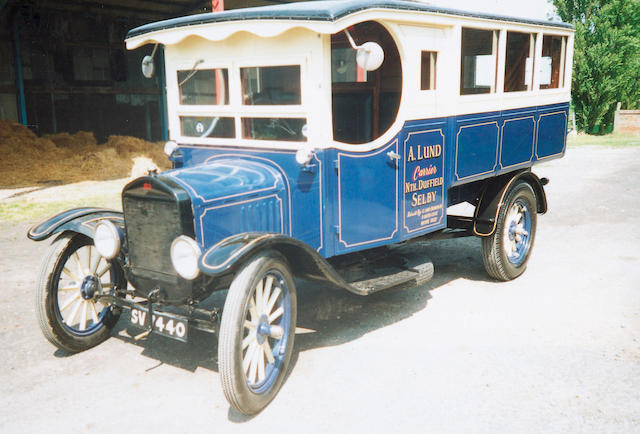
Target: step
[(387, 269)]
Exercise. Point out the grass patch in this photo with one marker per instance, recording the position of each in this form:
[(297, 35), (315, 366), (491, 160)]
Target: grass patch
[(614, 140), (34, 211), (37, 205)]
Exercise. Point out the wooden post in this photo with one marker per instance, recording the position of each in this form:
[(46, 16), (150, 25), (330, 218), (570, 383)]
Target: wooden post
[(217, 5), (616, 118), (17, 65), (574, 129)]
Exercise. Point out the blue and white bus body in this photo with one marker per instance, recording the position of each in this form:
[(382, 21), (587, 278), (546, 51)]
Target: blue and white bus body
[(355, 196)]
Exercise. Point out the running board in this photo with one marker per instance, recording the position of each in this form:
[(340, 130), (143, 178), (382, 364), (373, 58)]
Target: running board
[(404, 279), (385, 269)]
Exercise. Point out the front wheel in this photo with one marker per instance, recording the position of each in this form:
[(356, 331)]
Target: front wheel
[(71, 274), (257, 332), (506, 252)]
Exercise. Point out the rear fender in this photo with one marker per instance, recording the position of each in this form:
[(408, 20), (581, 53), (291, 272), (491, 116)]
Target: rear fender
[(493, 194), (79, 220)]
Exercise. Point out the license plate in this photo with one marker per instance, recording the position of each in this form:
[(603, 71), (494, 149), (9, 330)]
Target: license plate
[(163, 323)]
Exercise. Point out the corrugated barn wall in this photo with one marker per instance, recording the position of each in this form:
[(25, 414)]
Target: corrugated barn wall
[(64, 66)]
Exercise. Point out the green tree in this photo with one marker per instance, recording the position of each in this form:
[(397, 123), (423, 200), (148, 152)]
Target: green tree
[(606, 58)]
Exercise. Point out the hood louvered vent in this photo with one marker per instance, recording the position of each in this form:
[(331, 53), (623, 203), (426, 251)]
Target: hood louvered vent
[(261, 216)]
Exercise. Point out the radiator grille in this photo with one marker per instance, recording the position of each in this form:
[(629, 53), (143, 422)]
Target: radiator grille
[(152, 225)]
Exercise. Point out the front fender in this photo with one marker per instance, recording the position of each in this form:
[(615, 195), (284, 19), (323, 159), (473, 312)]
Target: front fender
[(306, 263), (80, 220)]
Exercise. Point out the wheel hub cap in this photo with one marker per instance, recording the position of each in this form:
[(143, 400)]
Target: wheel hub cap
[(516, 237), (90, 285), (263, 330), (512, 230)]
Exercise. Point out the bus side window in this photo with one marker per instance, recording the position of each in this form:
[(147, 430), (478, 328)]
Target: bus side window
[(478, 61), (364, 104), (518, 73), (428, 70), (552, 62)]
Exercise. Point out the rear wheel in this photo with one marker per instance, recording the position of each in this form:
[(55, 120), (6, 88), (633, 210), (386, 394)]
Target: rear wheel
[(506, 252), (71, 274), (257, 332)]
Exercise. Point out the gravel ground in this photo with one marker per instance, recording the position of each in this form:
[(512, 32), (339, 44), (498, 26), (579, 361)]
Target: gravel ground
[(556, 350)]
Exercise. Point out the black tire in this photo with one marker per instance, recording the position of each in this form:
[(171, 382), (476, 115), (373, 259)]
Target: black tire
[(248, 384), (506, 252), (59, 299)]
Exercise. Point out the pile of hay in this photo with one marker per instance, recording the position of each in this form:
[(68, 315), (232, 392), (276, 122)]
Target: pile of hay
[(26, 159)]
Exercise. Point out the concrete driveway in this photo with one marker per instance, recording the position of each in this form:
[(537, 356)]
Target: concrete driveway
[(556, 350)]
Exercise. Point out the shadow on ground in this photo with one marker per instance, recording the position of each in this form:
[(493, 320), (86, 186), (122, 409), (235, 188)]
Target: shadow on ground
[(331, 317)]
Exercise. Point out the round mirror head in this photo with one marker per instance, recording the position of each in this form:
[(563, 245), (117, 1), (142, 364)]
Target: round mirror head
[(370, 56), (147, 66), (304, 156)]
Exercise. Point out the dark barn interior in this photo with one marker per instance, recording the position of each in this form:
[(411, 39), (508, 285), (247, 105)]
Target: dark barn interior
[(64, 66)]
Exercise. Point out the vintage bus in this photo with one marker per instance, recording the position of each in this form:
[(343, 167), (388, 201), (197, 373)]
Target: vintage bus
[(312, 140)]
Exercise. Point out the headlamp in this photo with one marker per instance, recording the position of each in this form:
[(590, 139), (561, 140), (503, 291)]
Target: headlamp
[(185, 253), (107, 238)]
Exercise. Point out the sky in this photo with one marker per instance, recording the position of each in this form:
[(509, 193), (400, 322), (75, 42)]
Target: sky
[(532, 9)]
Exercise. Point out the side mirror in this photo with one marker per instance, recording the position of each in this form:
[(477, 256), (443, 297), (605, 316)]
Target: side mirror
[(147, 66), (370, 56), (304, 156), (147, 63)]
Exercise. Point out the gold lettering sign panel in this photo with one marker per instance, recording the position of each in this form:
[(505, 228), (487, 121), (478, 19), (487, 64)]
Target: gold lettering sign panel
[(423, 186)]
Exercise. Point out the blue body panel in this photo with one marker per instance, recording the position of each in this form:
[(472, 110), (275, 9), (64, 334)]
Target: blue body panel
[(346, 201), (424, 177), (231, 195), (488, 144), (261, 190), (366, 197)]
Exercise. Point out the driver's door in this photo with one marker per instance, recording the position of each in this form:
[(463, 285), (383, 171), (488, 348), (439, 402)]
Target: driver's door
[(368, 193)]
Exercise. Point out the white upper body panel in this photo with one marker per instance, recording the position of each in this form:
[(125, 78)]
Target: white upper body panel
[(272, 42)]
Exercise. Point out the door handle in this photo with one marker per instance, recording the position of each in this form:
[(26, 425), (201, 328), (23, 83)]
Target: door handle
[(393, 156)]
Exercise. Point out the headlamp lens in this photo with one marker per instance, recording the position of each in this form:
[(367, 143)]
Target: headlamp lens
[(107, 239), (185, 253)]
